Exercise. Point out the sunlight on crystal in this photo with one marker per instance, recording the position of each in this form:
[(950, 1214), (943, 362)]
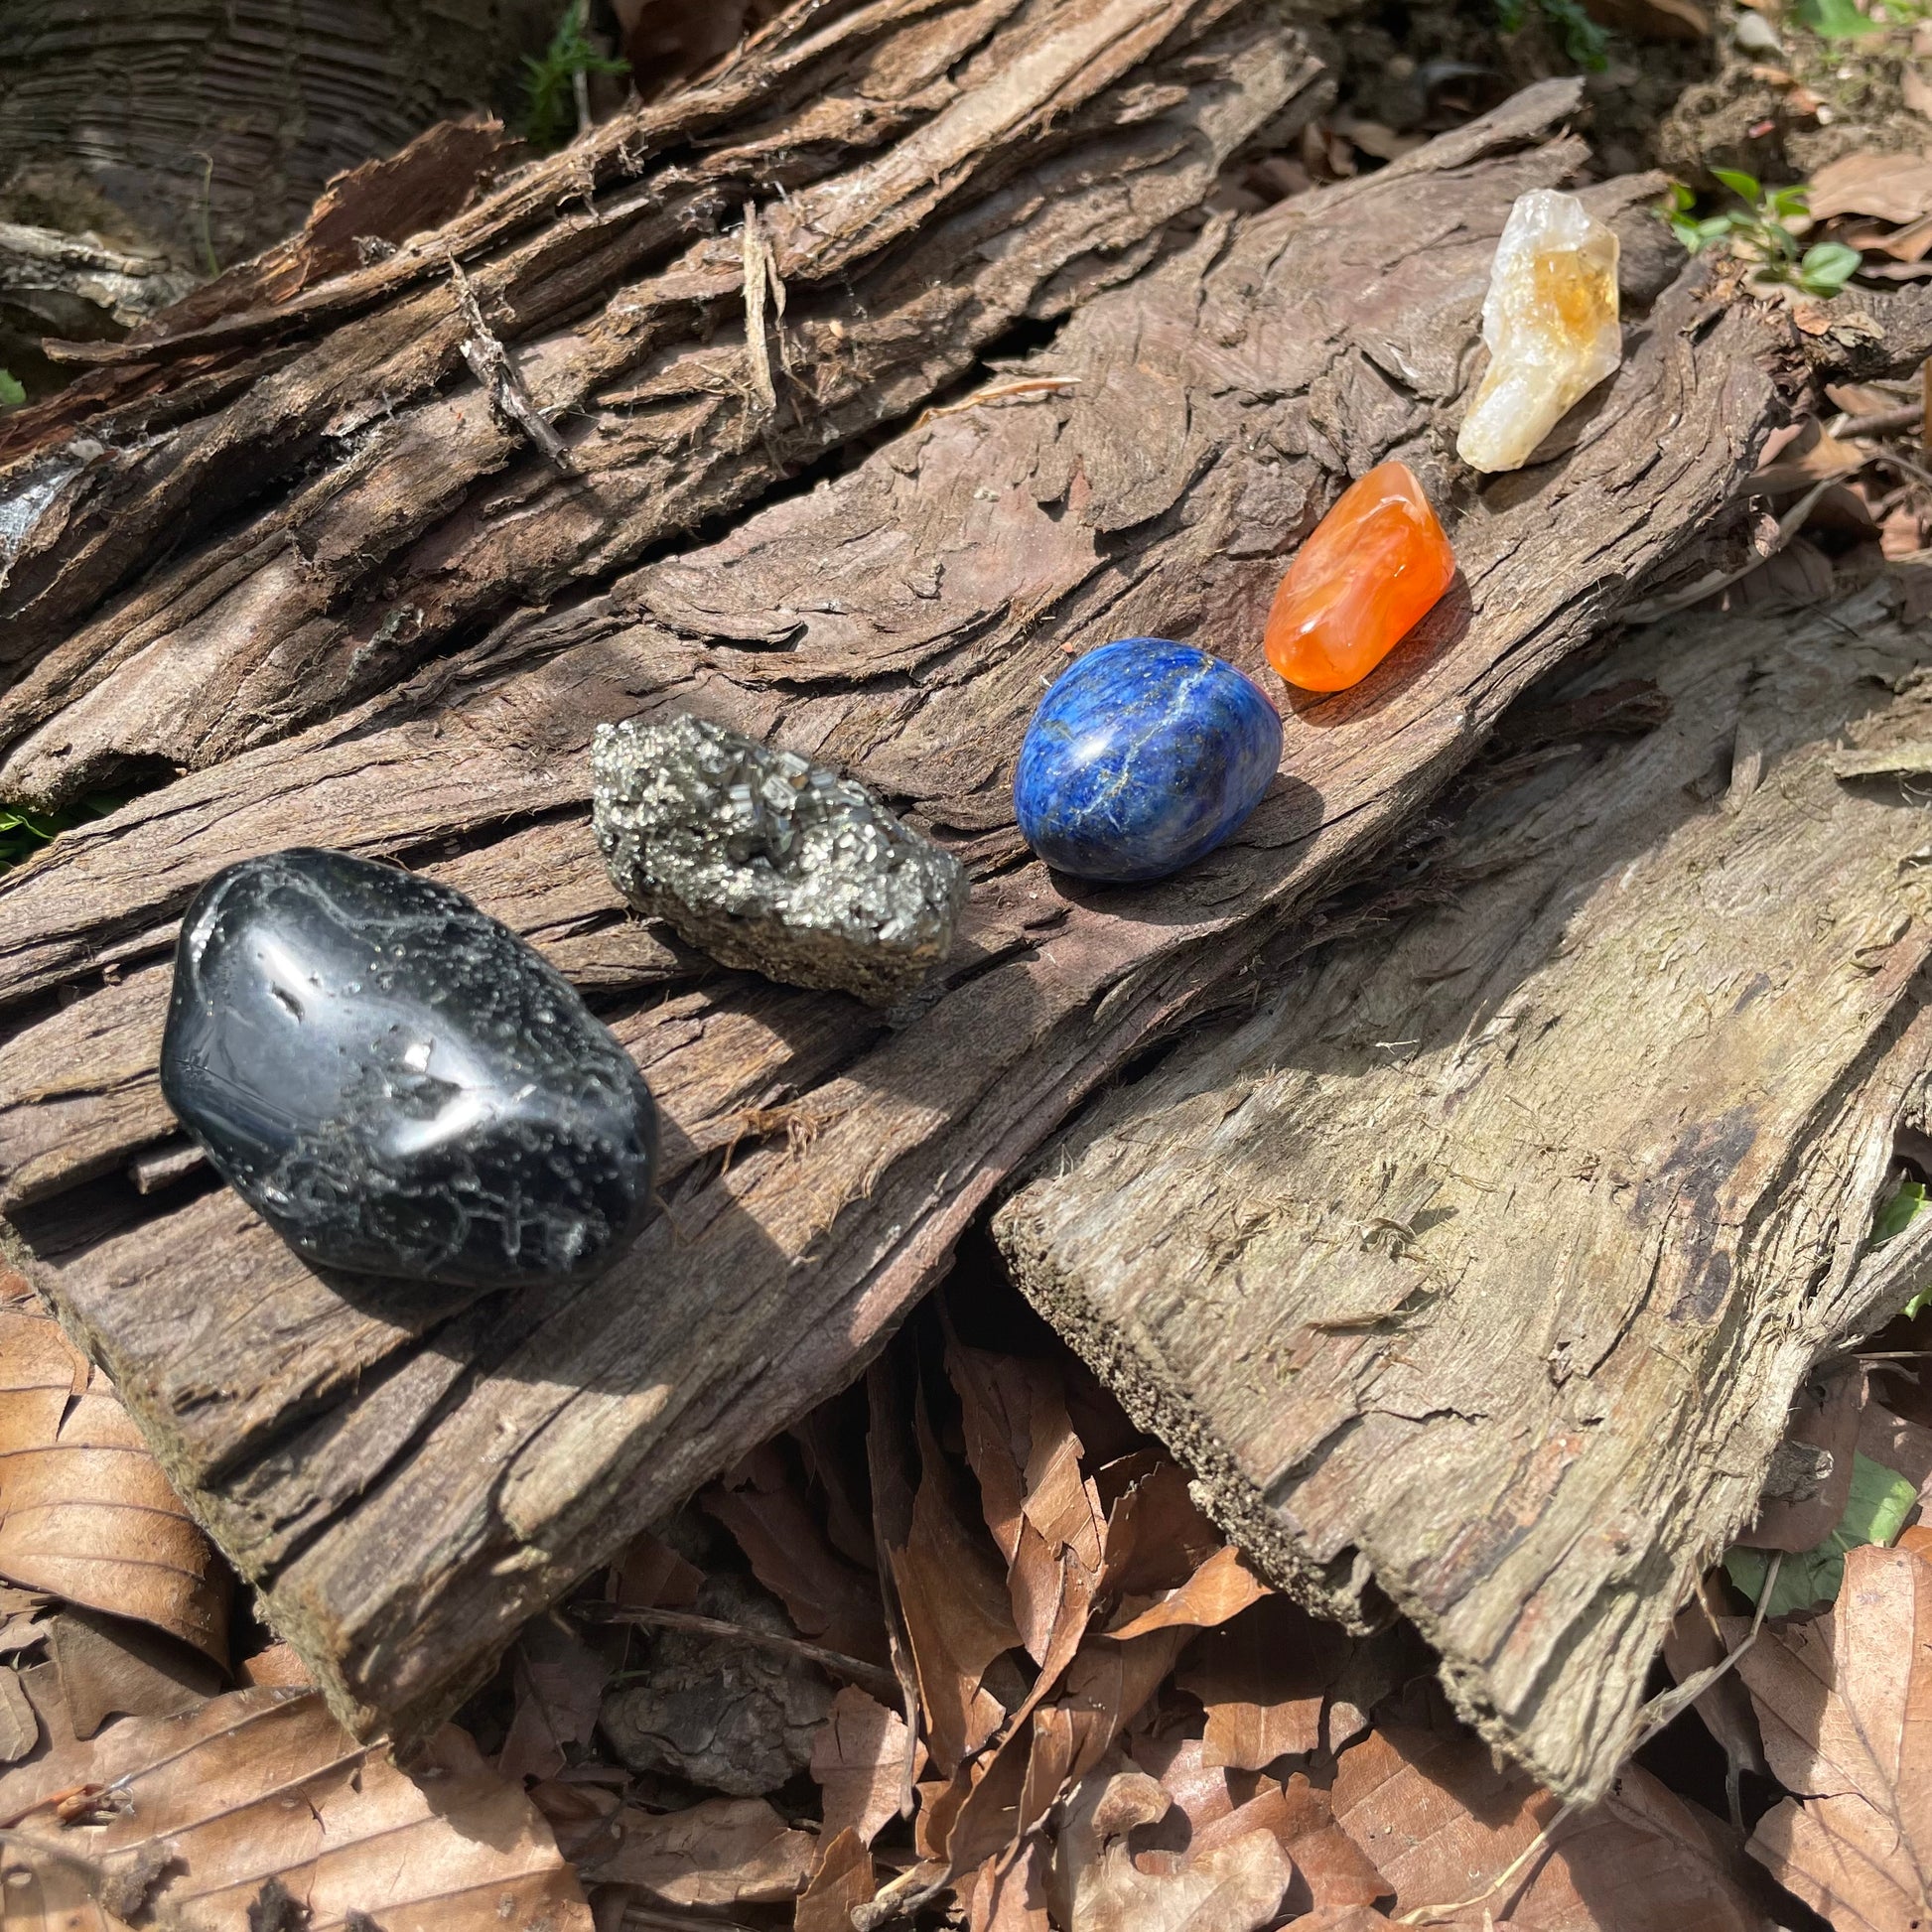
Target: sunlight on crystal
[(1549, 320)]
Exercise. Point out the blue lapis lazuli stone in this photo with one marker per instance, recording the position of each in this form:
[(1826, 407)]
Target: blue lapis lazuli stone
[(1143, 756)]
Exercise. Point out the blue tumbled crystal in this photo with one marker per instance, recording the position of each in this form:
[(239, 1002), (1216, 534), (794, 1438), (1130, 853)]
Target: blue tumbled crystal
[(1143, 756)]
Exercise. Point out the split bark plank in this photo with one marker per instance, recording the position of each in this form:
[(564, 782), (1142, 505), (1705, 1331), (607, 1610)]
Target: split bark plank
[(406, 1483), (922, 175), (1476, 1270)]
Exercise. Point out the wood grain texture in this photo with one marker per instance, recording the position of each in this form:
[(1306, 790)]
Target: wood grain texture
[(1476, 1271), (323, 497), (406, 1481)]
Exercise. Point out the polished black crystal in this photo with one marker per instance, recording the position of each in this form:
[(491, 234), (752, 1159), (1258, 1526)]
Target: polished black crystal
[(396, 1083)]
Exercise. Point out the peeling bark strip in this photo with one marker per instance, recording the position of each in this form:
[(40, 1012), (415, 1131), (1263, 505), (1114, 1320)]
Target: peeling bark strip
[(941, 170), (406, 1483), (1478, 1268)]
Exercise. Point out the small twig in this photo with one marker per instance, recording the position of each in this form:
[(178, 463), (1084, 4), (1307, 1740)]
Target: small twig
[(900, 1897), (491, 365), (855, 1669), (760, 273), (1666, 1705), (1032, 385), (209, 255), (650, 1918), (1881, 422)]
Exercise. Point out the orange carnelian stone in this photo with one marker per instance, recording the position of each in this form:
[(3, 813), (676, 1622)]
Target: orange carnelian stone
[(1361, 583)]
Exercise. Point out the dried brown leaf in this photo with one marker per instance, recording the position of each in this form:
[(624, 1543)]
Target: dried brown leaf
[(42, 1683), (1198, 1788), (559, 1682), (1895, 1443), (1221, 1588), (1155, 1538), (1893, 187), (265, 1781), (277, 1665), (20, 1730), (775, 1524), (1331, 1868), (1795, 459), (723, 1852), (844, 1878), (1043, 1513), (1094, 1885), (85, 1513), (110, 1668), (958, 1617), (859, 1762), (1009, 1894), (1442, 1821), (1263, 1679), (651, 1576), (1653, 20), (584, 1818), (835, 1462), (1845, 1706), (997, 1396)]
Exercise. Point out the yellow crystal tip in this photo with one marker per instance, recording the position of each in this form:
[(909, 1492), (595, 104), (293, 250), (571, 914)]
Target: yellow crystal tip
[(1550, 324)]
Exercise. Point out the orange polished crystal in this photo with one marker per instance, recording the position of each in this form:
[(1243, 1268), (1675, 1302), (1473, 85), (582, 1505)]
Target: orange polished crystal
[(1374, 565)]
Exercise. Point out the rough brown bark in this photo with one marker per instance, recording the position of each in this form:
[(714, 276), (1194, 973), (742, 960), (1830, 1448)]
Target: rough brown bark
[(406, 1483), (913, 178), (1476, 1269)]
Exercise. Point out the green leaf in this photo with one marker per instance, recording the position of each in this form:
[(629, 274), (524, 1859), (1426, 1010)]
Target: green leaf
[(1834, 19), (1788, 202), (12, 396), (1828, 267), (1899, 1213), (1715, 227), (23, 833), (1875, 1512), (1682, 199), (549, 104), (1744, 186), (1685, 231)]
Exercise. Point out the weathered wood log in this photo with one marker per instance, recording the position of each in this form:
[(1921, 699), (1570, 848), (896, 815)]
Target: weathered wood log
[(405, 1483), (911, 180), (1476, 1271)]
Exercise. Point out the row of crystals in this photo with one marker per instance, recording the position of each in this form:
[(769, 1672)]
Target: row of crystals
[(401, 1087), (1144, 755)]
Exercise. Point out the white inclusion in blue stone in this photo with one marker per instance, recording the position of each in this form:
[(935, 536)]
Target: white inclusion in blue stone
[(1143, 756)]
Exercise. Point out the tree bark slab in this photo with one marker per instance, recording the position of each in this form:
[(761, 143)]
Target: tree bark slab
[(406, 1481), (1476, 1271), (267, 516)]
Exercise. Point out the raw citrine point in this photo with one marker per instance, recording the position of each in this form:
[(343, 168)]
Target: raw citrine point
[(1374, 566)]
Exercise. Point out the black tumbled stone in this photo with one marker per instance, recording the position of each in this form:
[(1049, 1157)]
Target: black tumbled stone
[(396, 1083)]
